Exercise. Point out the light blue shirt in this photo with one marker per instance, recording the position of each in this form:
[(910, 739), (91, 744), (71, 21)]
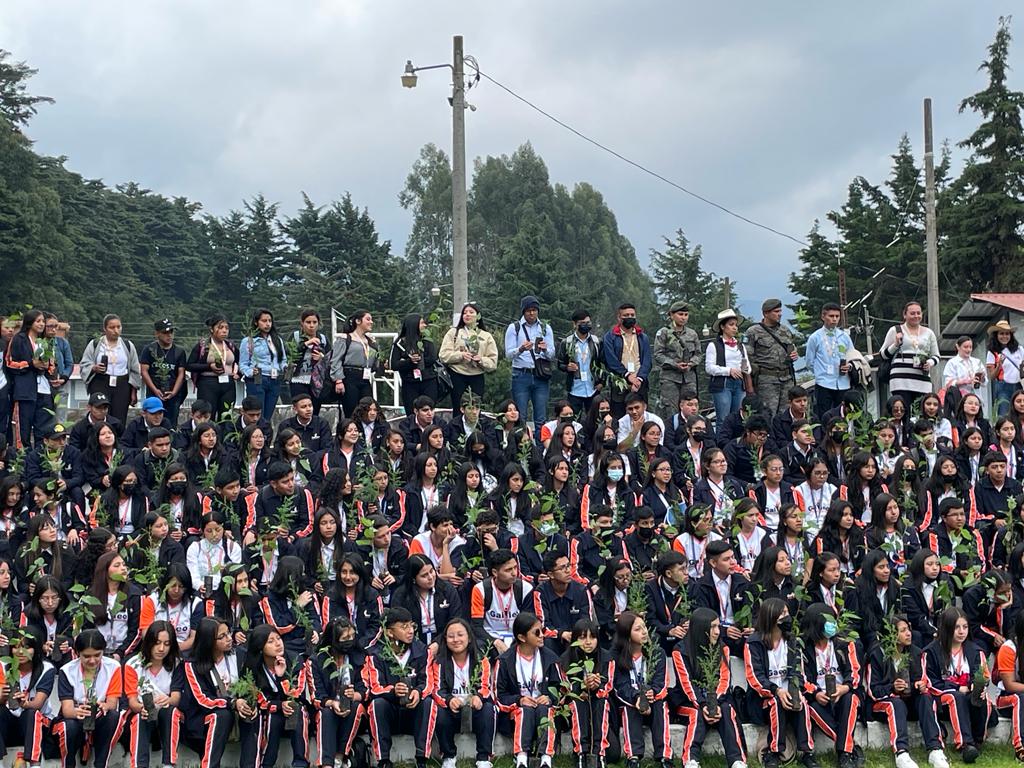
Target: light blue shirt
[(581, 387), (513, 339), (825, 351), (258, 352)]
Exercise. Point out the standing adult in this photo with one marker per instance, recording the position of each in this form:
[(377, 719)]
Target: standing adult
[(414, 358), (914, 351), (1003, 363), (627, 353), (110, 365), (162, 366), (213, 363), (8, 328), (963, 370), (771, 351), (262, 361), (30, 388), (579, 355), (470, 352), (677, 354), (826, 357), (353, 361), (725, 361), (64, 360), (530, 345), (308, 373)]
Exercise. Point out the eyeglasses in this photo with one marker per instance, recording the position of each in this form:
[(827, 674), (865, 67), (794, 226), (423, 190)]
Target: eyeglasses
[(537, 632)]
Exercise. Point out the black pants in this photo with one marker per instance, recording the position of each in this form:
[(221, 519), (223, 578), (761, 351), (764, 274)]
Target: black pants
[(633, 733), (590, 720), (120, 396), (970, 723), (356, 388), (411, 389), (894, 711), (31, 418), (460, 383), (140, 738), (387, 718), (780, 719), (335, 734), (729, 731), (5, 413), (837, 720), (261, 740), (27, 729), (71, 737), (221, 397), (617, 400), (207, 737), (826, 399), (580, 405), (446, 724)]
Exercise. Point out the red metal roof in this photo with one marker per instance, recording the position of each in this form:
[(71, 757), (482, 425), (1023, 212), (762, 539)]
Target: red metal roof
[(1014, 301)]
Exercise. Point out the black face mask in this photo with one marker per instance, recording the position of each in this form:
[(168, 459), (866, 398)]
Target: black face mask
[(565, 419), (838, 437), (699, 436), (628, 322), (609, 444), (128, 488), (786, 624), (645, 534), (584, 328), (344, 647), (178, 487)]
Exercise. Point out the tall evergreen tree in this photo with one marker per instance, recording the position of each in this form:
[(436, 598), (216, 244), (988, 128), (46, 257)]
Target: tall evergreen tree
[(428, 194), (679, 276), (16, 103)]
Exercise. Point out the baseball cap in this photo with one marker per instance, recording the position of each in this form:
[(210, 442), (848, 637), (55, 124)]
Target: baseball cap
[(56, 431), (153, 405), (97, 399), (164, 325)]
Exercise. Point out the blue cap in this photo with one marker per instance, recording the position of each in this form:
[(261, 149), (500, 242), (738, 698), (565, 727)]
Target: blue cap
[(153, 405)]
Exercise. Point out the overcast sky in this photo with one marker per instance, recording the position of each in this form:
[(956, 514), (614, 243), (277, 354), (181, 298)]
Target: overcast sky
[(768, 108)]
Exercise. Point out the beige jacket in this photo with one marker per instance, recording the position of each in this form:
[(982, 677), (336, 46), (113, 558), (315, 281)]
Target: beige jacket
[(458, 340)]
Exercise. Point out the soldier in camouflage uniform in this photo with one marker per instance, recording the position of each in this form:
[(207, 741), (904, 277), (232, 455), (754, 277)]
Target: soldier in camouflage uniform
[(677, 353), (771, 351)]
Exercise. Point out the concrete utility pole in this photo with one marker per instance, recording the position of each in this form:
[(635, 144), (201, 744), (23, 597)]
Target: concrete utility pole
[(931, 244), (460, 265), (727, 293)]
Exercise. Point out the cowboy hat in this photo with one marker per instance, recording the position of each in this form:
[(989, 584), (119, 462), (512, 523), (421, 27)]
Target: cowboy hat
[(725, 314), (1002, 325)]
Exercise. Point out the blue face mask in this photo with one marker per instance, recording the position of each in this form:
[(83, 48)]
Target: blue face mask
[(615, 475), (830, 629)]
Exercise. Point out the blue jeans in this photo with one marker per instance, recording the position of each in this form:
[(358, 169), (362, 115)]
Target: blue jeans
[(1002, 394), (268, 391), (727, 400), (526, 388)]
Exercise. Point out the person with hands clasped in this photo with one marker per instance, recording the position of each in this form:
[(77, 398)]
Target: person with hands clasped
[(149, 674), (354, 360), (27, 710), (469, 352), (894, 693), (276, 698), (89, 690), (914, 351), (702, 647), (213, 363), (627, 354), (338, 691), (530, 345), (641, 685)]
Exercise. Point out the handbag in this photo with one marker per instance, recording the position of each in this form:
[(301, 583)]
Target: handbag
[(541, 365)]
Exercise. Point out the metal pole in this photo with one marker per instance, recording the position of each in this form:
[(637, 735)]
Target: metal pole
[(460, 267), (727, 293), (931, 244)]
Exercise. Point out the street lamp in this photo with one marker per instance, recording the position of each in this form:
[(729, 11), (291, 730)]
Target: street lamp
[(460, 267)]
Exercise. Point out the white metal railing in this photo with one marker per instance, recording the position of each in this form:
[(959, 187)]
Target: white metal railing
[(391, 380)]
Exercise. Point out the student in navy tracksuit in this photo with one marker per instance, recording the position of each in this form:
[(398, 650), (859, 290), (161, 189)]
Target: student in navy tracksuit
[(26, 709), (338, 692), (563, 601), (893, 695), (265, 660), (950, 663), (770, 664), (459, 677), (283, 602), (641, 685), (586, 672), (669, 599), (521, 681), (395, 675), (725, 592), (693, 695)]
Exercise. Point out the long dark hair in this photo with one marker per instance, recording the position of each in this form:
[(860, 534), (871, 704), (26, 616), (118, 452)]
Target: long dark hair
[(698, 637), (26, 553), (946, 625), (606, 581), (763, 571), (768, 616), (206, 643), (287, 576), (574, 653), (410, 331), (216, 455), (479, 317), (316, 541), (272, 335), (34, 638), (362, 591), (99, 587), (149, 641), (443, 654), (623, 632), (254, 649), (34, 610), (29, 319), (994, 345)]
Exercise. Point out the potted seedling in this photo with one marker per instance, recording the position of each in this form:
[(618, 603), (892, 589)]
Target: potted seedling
[(710, 663)]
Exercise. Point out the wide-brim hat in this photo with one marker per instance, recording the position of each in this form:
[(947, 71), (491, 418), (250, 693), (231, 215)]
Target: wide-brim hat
[(1002, 325), (725, 314)]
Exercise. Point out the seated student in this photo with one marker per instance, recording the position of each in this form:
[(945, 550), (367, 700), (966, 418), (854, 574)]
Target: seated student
[(266, 662), (181, 503), (676, 430), (692, 543), (989, 608), (207, 556), (284, 599), (152, 671), (239, 604), (206, 713), (280, 502), (387, 555), (437, 541), (588, 691), (431, 602), (1010, 679), (612, 598), (890, 532), (98, 412), (748, 535), (951, 661), (724, 591), (540, 538), (798, 452), (770, 663), (563, 601), (589, 551), (661, 495), (745, 453), (459, 677), (826, 655), (136, 434), (641, 685), (496, 601), (992, 493), (919, 601), (395, 701), (669, 599), (703, 648), (201, 412), (313, 430), (92, 677), (875, 595), (895, 694), (790, 537), (814, 496), (27, 709), (951, 539), (772, 576), (782, 424), (645, 543), (772, 492), (841, 535), (338, 692), (716, 488)]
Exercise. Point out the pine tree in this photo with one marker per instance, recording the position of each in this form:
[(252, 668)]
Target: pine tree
[(16, 104), (679, 276)]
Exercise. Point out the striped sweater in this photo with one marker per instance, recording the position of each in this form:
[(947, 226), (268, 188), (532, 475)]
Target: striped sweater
[(907, 373)]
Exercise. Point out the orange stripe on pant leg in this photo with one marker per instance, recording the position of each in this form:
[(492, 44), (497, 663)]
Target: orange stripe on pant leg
[(133, 740), (666, 737), (820, 722), (517, 730), (176, 716), (950, 701), (604, 728), (60, 732), (360, 712), (886, 708), (805, 710), (37, 737), (851, 724), (690, 731), (372, 712), (627, 745), (738, 732), (1012, 702), (211, 726), (549, 748), (575, 732), (774, 731), (431, 724)]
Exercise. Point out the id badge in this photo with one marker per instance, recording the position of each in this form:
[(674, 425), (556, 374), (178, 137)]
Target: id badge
[(630, 367), (273, 374), (367, 374), (417, 374), (113, 381), (830, 370), (223, 378), (585, 374)]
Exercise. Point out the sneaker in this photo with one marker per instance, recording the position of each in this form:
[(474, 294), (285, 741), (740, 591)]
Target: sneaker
[(772, 760), (484, 764), (969, 753), (937, 759), (448, 762), (845, 760), (544, 761), (691, 764), (741, 764), (633, 762), (521, 761), (808, 760), (904, 760), (858, 756)]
